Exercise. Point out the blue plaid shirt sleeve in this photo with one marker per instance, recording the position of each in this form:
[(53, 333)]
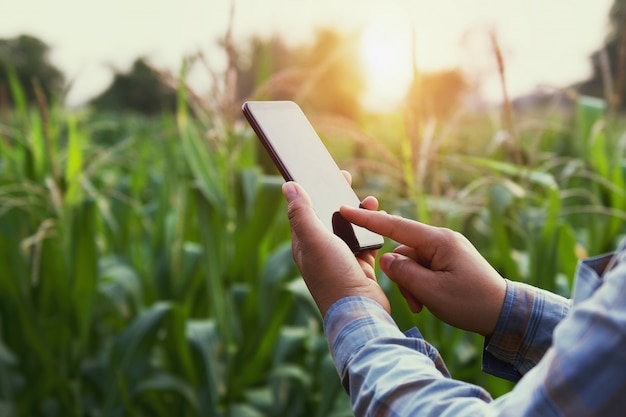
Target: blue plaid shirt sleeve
[(524, 330), (582, 371), (387, 373)]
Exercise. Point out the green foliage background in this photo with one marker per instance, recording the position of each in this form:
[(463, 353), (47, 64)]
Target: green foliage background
[(145, 263)]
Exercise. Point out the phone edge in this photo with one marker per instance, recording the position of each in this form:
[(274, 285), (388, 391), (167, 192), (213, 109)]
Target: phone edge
[(247, 112)]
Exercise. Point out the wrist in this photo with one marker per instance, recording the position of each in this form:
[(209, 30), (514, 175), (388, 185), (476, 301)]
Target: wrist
[(498, 296)]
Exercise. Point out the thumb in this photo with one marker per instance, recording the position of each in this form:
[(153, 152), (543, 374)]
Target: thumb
[(418, 283), (299, 206), (304, 223), (291, 191)]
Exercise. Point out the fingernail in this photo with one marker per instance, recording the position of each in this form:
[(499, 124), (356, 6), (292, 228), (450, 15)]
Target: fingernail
[(289, 191), (387, 260)]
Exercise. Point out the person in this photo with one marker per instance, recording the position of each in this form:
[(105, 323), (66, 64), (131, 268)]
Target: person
[(568, 356)]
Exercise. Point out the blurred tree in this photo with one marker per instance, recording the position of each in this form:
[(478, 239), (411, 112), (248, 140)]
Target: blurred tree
[(255, 68), (321, 77), (608, 79), (28, 58), (436, 94), (141, 90)]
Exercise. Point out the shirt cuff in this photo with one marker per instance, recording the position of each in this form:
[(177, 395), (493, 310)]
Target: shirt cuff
[(524, 330)]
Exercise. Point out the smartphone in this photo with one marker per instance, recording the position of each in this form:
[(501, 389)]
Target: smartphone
[(300, 156)]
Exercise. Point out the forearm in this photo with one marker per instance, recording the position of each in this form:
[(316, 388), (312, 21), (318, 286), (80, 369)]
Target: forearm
[(388, 373), (405, 381)]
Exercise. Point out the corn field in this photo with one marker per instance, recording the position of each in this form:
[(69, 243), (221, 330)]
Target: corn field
[(146, 269)]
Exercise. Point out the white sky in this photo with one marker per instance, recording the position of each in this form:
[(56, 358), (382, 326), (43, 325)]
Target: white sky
[(545, 41)]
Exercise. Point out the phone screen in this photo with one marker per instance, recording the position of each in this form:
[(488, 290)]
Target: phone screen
[(301, 156)]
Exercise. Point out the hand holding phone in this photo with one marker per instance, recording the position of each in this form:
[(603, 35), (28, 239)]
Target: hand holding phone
[(300, 156)]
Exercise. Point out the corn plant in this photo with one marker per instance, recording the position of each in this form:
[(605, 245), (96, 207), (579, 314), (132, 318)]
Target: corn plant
[(147, 271), (146, 265)]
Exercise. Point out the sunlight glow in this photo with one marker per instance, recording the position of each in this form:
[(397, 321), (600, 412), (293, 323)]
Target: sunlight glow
[(386, 57), (543, 42)]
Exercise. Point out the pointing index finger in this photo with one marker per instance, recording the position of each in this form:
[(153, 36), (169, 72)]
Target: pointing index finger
[(408, 232)]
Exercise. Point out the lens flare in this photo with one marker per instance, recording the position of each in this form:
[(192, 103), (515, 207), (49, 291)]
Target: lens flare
[(386, 58)]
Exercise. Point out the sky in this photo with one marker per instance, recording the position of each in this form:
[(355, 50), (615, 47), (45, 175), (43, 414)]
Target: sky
[(545, 42)]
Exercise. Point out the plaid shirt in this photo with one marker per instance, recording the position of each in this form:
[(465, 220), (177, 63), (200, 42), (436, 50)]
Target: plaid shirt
[(575, 368)]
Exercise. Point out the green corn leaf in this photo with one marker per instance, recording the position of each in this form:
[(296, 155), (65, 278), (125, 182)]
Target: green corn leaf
[(6, 356), (37, 147), (261, 399), (617, 196), (17, 93), (567, 254), (256, 350), (535, 176), (292, 373), (245, 410), (299, 290), (176, 346), (73, 164), (189, 271), (167, 384), (259, 226), (7, 409), (291, 339), (116, 273), (589, 111), (84, 263), (331, 386), (502, 248), (214, 242), (204, 340), (132, 348), (278, 269), (598, 154), (545, 259), (206, 165)]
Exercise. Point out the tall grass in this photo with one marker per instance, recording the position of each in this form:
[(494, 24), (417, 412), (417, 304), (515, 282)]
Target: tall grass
[(147, 271), (146, 265)]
